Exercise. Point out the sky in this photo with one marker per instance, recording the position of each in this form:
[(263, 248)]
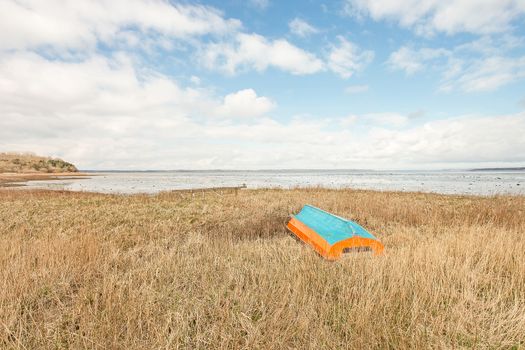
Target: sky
[(264, 84)]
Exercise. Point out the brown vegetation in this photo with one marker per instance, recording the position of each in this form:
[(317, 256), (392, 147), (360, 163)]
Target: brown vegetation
[(218, 270), (30, 163)]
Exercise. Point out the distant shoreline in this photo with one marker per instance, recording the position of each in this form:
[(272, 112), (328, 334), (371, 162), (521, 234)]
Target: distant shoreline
[(499, 169), (19, 179), (204, 171)]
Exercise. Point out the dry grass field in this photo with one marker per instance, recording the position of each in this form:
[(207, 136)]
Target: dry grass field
[(218, 270)]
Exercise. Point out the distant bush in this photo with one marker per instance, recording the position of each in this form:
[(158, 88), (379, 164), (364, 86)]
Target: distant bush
[(21, 163)]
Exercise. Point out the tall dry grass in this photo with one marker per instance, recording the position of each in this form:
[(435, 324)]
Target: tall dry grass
[(218, 270)]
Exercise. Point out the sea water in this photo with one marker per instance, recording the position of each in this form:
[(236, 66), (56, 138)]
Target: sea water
[(448, 182)]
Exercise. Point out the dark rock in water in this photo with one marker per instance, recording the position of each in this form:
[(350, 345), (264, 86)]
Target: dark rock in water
[(517, 184)]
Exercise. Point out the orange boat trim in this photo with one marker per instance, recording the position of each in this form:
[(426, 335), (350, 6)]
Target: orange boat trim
[(331, 252), (309, 236)]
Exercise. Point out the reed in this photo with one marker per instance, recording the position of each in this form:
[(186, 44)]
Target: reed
[(218, 269)]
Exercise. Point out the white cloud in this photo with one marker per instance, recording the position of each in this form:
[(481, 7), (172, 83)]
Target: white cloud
[(411, 60), (416, 114), (102, 99), (491, 45), (245, 104), (449, 16), (346, 58), (388, 119), (92, 97), (348, 121), (79, 25), (485, 64), (486, 74), (106, 113), (72, 30), (110, 110), (195, 80), (261, 4), (457, 140), (253, 51), (356, 89), (301, 28)]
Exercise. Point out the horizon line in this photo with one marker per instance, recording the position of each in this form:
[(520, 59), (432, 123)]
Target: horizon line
[(297, 169)]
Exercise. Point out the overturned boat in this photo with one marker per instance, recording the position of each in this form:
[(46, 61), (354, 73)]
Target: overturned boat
[(331, 235)]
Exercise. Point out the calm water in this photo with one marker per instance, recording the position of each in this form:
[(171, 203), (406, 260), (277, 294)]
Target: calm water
[(464, 182)]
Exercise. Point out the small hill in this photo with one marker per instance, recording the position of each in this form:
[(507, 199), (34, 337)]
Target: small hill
[(30, 163)]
